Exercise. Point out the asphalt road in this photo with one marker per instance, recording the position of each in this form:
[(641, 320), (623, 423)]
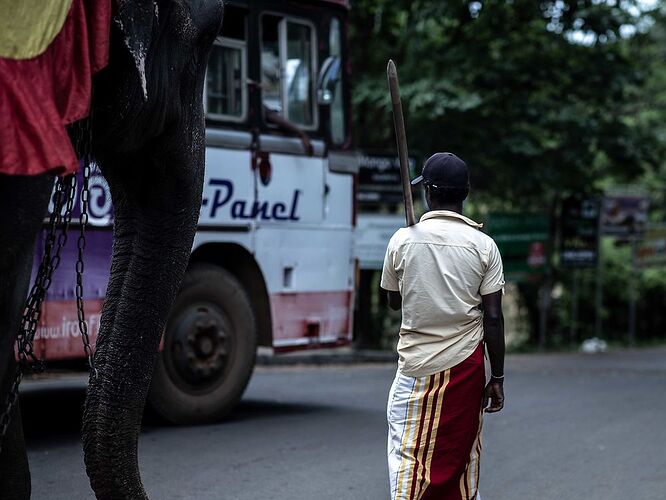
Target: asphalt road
[(575, 427)]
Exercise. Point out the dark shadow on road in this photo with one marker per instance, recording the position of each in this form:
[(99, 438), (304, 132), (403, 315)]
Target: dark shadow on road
[(56, 413), (256, 409), (52, 412)]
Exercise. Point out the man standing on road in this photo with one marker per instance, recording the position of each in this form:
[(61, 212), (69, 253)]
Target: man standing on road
[(446, 276)]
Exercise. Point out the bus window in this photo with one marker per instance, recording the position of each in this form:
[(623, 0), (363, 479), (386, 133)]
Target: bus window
[(337, 114), (225, 86), (270, 63), (298, 74), (287, 63)]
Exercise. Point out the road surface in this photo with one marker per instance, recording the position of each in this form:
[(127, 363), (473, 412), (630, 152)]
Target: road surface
[(575, 426)]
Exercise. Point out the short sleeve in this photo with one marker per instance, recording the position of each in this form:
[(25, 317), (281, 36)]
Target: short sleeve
[(389, 279), (493, 279)]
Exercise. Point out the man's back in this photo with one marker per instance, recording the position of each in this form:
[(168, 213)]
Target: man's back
[(441, 267), (439, 272)]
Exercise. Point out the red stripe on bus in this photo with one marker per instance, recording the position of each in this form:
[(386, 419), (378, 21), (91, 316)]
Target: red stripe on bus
[(58, 334), (322, 318), (312, 315)]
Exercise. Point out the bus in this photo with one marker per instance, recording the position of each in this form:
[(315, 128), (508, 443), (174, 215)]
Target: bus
[(272, 262)]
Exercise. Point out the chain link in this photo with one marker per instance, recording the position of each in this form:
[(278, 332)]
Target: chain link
[(81, 245), (63, 199), (31, 314)]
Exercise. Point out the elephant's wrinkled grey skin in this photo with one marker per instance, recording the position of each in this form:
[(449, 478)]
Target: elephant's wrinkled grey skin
[(149, 142), (150, 147)]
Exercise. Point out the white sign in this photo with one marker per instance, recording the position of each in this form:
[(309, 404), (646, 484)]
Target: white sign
[(372, 234)]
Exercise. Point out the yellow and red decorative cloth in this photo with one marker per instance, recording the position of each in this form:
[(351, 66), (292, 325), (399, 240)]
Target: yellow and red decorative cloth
[(48, 54)]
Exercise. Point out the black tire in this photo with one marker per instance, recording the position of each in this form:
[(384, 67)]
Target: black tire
[(209, 351)]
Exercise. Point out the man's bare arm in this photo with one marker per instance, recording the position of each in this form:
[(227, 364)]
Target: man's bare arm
[(493, 335), (277, 119), (394, 300)]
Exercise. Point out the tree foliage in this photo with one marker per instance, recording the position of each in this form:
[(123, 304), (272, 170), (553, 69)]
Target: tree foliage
[(542, 98), (539, 97)]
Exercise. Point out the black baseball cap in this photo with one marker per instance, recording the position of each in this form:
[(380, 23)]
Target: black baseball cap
[(444, 171)]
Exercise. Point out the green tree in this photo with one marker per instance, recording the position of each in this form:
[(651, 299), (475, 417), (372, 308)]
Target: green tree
[(537, 96), (542, 98)]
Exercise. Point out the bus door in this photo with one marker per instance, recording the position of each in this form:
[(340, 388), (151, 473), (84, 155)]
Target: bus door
[(291, 180)]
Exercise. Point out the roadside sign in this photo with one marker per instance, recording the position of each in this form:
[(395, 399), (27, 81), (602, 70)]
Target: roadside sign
[(651, 251), (624, 215), (522, 241), (579, 239), (371, 237), (379, 178)]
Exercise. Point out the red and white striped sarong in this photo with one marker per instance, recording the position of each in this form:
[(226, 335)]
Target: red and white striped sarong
[(434, 442)]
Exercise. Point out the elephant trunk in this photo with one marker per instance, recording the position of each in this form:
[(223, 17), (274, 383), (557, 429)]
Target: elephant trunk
[(152, 155), (153, 237)]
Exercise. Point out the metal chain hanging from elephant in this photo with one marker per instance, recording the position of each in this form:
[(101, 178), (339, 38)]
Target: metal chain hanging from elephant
[(84, 147)]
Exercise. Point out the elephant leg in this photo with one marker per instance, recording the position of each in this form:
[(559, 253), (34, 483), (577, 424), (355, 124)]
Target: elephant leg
[(23, 203), (152, 155), (162, 197), (124, 232), (14, 467)]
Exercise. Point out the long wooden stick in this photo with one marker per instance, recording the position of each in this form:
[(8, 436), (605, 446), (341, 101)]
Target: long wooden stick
[(401, 140)]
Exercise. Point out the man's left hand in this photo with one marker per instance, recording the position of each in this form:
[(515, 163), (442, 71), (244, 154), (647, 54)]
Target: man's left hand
[(495, 394)]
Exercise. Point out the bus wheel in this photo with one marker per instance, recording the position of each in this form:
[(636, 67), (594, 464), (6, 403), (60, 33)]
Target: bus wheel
[(209, 348)]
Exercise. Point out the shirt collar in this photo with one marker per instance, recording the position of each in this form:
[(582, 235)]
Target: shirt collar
[(437, 214)]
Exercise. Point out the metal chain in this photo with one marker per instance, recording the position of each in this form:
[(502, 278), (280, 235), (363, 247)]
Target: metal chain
[(33, 309), (64, 196), (81, 245), (65, 190)]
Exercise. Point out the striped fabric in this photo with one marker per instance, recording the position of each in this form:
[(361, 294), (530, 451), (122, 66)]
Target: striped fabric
[(434, 442)]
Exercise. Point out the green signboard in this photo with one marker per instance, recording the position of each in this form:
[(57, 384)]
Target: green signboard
[(522, 240)]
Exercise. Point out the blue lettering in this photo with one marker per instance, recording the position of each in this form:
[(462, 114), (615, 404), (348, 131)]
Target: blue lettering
[(246, 209), (217, 202), (260, 208), (278, 209), (238, 210), (294, 206)]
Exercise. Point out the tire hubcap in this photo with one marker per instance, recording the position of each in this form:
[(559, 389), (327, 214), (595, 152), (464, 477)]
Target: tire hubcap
[(200, 344)]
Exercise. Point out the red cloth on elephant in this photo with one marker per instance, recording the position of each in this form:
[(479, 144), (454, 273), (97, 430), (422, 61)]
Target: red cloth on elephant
[(39, 96)]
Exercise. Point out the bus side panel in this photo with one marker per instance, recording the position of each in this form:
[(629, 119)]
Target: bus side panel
[(340, 199), (228, 196), (294, 193), (58, 334), (309, 275), (311, 318)]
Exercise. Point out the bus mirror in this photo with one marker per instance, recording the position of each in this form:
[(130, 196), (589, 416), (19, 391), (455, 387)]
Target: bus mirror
[(329, 75)]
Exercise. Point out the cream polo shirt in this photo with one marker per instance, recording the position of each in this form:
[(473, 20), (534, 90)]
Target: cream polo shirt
[(441, 267)]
